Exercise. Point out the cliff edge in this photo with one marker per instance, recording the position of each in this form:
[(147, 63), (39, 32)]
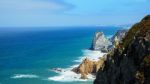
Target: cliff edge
[(129, 61)]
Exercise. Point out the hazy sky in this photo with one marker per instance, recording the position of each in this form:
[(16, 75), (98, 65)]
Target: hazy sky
[(71, 12)]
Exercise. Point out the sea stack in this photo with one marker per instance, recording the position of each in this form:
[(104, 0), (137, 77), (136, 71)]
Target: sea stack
[(100, 42), (129, 62)]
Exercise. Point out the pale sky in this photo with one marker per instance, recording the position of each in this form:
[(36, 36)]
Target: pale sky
[(33, 13)]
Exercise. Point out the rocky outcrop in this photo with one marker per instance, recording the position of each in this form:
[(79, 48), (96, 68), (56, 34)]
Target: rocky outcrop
[(88, 67), (100, 42), (117, 38), (129, 62)]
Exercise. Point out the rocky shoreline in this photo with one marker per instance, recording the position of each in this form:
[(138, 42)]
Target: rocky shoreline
[(89, 66), (102, 44), (126, 59), (129, 61)]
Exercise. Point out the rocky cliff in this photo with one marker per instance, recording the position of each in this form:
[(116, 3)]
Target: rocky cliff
[(100, 42), (129, 62), (120, 34)]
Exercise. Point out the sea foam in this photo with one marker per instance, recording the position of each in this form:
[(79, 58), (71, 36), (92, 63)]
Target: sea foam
[(18, 76), (93, 55), (66, 75)]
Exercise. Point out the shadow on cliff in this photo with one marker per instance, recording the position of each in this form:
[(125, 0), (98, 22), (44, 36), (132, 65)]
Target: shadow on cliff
[(129, 61)]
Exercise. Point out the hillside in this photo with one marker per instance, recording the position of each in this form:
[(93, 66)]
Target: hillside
[(129, 62)]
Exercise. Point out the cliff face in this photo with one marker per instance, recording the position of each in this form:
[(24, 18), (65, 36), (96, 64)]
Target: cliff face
[(118, 36), (100, 42), (129, 62)]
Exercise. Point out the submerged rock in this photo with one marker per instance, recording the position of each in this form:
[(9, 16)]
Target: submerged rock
[(84, 76), (100, 42), (57, 70), (129, 62)]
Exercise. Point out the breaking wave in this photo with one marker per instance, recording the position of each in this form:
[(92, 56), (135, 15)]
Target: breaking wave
[(67, 75), (18, 76)]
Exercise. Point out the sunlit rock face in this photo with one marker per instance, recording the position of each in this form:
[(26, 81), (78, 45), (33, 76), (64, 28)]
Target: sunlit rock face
[(129, 62), (100, 42), (88, 67)]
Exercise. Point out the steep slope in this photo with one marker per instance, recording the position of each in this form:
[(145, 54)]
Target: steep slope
[(129, 62), (120, 34), (90, 66)]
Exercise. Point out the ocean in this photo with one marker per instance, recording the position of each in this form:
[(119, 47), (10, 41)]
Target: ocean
[(28, 56)]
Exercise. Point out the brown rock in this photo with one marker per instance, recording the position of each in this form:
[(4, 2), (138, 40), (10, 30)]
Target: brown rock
[(84, 76), (88, 67)]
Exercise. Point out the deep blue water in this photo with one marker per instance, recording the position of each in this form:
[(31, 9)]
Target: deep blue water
[(37, 51)]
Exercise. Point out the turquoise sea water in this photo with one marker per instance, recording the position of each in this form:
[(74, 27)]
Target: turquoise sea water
[(34, 53)]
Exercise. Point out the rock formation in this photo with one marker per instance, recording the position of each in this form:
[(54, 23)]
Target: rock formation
[(88, 67), (129, 62), (100, 42), (120, 34)]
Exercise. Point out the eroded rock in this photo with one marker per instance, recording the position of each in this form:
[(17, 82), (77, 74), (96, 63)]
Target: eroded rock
[(129, 62), (88, 67), (100, 42)]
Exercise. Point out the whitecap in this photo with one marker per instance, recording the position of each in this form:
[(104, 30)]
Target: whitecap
[(67, 75), (91, 54), (18, 76)]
